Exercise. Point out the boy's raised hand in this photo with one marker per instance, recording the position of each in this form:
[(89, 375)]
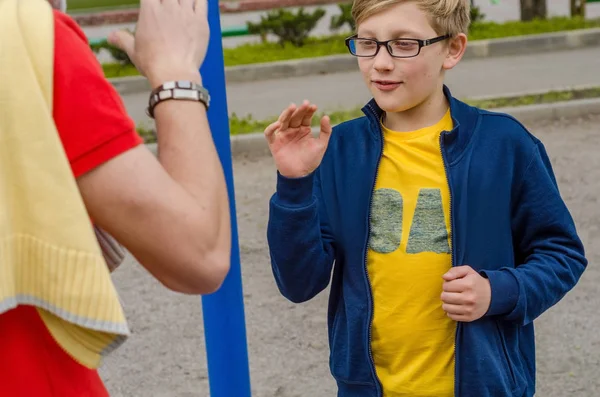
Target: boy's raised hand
[(296, 152), (466, 294)]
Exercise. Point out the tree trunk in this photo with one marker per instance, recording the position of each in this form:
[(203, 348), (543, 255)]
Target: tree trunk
[(578, 8), (534, 9)]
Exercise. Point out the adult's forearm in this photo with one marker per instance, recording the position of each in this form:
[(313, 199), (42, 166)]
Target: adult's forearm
[(187, 152)]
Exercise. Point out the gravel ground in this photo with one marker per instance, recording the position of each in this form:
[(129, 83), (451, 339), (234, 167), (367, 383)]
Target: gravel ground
[(288, 343)]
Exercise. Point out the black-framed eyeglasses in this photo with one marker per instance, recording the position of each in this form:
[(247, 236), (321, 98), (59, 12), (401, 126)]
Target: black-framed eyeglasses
[(397, 48)]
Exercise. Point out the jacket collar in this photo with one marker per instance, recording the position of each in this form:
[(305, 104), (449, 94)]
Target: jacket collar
[(464, 118)]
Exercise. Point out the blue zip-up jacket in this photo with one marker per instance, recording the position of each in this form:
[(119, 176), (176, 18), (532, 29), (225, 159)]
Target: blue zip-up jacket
[(508, 222)]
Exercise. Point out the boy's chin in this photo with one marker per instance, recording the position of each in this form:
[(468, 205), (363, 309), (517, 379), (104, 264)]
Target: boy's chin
[(392, 105)]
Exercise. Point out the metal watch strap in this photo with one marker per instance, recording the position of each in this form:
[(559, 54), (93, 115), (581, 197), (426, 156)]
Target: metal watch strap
[(179, 90)]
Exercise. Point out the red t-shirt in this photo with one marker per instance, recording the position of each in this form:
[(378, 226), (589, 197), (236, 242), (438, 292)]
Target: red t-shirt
[(94, 127)]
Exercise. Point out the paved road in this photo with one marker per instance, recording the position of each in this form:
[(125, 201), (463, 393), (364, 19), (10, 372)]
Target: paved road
[(475, 77), (288, 343)]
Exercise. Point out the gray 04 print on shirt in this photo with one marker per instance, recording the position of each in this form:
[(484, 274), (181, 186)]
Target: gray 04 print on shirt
[(428, 232)]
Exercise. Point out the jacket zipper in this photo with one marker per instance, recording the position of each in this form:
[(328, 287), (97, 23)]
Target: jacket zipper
[(372, 305), (452, 249)]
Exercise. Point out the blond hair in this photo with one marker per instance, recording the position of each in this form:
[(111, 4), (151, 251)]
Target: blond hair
[(446, 16)]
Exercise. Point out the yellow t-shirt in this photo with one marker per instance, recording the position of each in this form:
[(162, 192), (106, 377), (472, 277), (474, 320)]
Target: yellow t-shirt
[(409, 251)]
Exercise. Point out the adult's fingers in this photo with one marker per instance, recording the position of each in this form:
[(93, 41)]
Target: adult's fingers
[(123, 40), (200, 7), (144, 4), (187, 5)]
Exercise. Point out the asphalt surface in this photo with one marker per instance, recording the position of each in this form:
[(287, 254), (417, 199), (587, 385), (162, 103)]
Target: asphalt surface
[(165, 356)]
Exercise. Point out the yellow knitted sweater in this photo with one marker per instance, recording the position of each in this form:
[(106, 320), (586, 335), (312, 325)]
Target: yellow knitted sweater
[(49, 256)]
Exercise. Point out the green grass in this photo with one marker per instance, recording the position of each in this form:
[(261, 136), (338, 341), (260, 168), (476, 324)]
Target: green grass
[(269, 52), (247, 125), (95, 5), (549, 97), (146, 133), (493, 30), (331, 45), (112, 70)]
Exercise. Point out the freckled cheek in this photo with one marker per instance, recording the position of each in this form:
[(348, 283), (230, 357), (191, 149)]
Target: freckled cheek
[(418, 72), (412, 72)]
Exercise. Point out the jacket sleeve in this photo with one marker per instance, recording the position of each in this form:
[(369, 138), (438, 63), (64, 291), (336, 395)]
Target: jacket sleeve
[(550, 255), (299, 237)]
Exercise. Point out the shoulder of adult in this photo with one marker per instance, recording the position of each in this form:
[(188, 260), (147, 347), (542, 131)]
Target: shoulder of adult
[(64, 24), (90, 116)]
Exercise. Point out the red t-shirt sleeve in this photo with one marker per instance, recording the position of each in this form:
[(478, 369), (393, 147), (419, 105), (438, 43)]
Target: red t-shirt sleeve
[(89, 114)]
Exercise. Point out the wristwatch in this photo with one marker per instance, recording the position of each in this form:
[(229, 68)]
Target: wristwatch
[(178, 90)]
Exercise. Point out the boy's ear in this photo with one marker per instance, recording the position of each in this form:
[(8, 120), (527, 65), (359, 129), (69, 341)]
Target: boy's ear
[(456, 49)]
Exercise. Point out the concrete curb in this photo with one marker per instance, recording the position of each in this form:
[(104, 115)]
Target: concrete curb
[(255, 144), (519, 94), (291, 68), (530, 44), (553, 111), (131, 85)]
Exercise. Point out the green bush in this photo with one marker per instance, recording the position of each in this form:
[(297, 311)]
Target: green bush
[(476, 14), (290, 27), (147, 134), (121, 58), (345, 18)]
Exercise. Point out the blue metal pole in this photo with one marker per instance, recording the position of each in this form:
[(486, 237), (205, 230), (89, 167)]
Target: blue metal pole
[(223, 311)]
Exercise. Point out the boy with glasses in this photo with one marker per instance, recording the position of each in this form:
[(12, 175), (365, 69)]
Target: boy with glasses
[(444, 221)]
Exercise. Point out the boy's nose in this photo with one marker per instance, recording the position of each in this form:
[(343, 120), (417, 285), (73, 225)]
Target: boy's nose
[(383, 60)]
